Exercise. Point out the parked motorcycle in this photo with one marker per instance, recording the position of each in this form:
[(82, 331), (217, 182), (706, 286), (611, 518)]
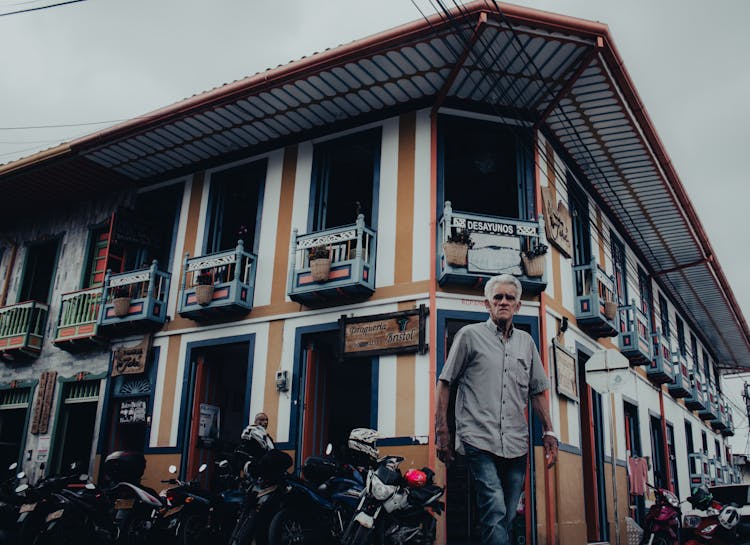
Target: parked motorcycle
[(39, 500), (396, 509), (718, 525), (317, 508), (662, 525), (10, 502), (194, 515), (136, 507)]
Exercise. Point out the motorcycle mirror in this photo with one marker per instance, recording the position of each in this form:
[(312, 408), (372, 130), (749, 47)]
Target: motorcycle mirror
[(73, 465), (12, 466), (202, 468), (90, 486), (329, 449), (224, 463), (20, 475), (21, 487), (173, 469), (83, 477)]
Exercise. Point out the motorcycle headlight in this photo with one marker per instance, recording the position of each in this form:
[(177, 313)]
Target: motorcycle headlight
[(381, 491), (708, 530), (691, 521)]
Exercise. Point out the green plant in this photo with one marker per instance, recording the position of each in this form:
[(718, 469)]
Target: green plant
[(318, 252), (461, 237), (536, 250)]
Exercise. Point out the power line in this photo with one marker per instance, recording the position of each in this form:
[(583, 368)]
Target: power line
[(66, 125), (40, 7)]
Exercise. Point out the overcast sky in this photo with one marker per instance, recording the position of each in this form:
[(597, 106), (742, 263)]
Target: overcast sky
[(108, 60)]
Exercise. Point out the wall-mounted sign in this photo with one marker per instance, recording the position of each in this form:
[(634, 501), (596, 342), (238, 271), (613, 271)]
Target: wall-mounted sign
[(558, 223), (129, 360), (209, 424), (565, 372), (391, 333), (495, 227), (132, 411)]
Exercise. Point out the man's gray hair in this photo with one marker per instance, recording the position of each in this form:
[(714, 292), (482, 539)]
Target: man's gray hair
[(502, 279)]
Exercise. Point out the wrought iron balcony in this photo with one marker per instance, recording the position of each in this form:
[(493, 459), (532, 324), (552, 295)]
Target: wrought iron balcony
[(219, 285), (699, 469), (498, 244), (78, 323), (696, 400), (595, 309), (348, 271), (22, 330), (711, 410), (681, 385), (134, 301), (660, 370), (634, 339)]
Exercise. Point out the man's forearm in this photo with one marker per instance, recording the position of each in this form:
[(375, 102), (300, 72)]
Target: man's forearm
[(541, 408), (442, 396)]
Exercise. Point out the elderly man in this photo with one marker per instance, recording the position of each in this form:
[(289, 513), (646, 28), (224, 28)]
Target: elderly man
[(496, 369)]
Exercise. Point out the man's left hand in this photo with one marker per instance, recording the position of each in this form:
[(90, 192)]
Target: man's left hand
[(550, 450)]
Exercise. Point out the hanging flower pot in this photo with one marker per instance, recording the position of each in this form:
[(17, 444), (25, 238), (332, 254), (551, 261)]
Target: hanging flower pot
[(121, 306), (456, 248), (534, 265), (320, 263), (610, 309), (204, 294)]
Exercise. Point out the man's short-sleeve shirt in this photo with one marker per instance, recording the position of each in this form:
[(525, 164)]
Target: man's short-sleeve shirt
[(495, 379)]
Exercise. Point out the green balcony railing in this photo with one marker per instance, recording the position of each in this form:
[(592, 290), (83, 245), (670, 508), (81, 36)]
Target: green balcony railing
[(22, 329), (78, 323)]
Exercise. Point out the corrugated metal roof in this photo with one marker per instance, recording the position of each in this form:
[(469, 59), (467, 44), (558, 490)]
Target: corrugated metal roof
[(562, 73)]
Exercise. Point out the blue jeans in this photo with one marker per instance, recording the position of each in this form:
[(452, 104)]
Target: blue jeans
[(498, 483)]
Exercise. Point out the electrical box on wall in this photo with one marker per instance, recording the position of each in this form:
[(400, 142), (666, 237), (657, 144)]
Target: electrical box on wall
[(282, 381)]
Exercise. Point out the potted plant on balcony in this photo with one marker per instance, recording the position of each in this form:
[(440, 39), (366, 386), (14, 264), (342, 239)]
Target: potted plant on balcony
[(533, 259), (456, 248), (610, 309), (121, 301), (320, 263), (204, 287)]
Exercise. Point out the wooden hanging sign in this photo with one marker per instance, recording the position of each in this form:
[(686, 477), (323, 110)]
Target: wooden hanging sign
[(392, 333), (558, 223), (131, 360)]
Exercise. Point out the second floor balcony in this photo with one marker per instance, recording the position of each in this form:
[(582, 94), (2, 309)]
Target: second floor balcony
[(696, 399), (634, 338), (699, 469), (721, 422), (22, 330), (337, 263), (78, 323), (596, 311), (472, 248), (711, 409), (134, 301), (660, 370), (729, 418), (681, 385), (219, 285)]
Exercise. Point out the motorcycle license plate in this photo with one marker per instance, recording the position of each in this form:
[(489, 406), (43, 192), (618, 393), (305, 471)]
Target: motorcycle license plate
[(364, 519), (27, 508), (54, 515), (173, 510), (124, 503)]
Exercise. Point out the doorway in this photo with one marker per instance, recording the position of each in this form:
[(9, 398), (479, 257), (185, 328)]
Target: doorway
[(337, 395), (74, 431), (462, 522), (219, 405)]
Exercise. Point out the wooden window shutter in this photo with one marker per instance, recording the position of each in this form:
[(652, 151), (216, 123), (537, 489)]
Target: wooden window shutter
[(43, 404)]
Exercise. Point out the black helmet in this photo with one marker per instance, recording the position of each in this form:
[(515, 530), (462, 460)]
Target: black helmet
[(700, 497)]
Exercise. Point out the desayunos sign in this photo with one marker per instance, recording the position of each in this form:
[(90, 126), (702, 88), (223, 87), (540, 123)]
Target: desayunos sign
[(383, 333), (494, 227)]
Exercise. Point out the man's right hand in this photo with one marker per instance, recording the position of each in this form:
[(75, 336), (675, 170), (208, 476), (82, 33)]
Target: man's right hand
[(445, 451)]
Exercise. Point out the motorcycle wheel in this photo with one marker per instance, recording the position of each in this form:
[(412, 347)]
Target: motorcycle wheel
[(192, 529), (289, 528), (30, 529), (356, 534), (243, 531), (134, 532)]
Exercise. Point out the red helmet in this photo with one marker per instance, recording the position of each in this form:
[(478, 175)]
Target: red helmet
[(415, 478)]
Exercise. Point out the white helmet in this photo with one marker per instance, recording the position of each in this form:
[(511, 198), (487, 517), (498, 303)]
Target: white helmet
[(362, 440), (257, 436), (729, 517)]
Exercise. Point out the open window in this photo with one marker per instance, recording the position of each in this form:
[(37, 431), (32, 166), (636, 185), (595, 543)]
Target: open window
[(235, 206), (484, 168), (39, 271), (346, 171)]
